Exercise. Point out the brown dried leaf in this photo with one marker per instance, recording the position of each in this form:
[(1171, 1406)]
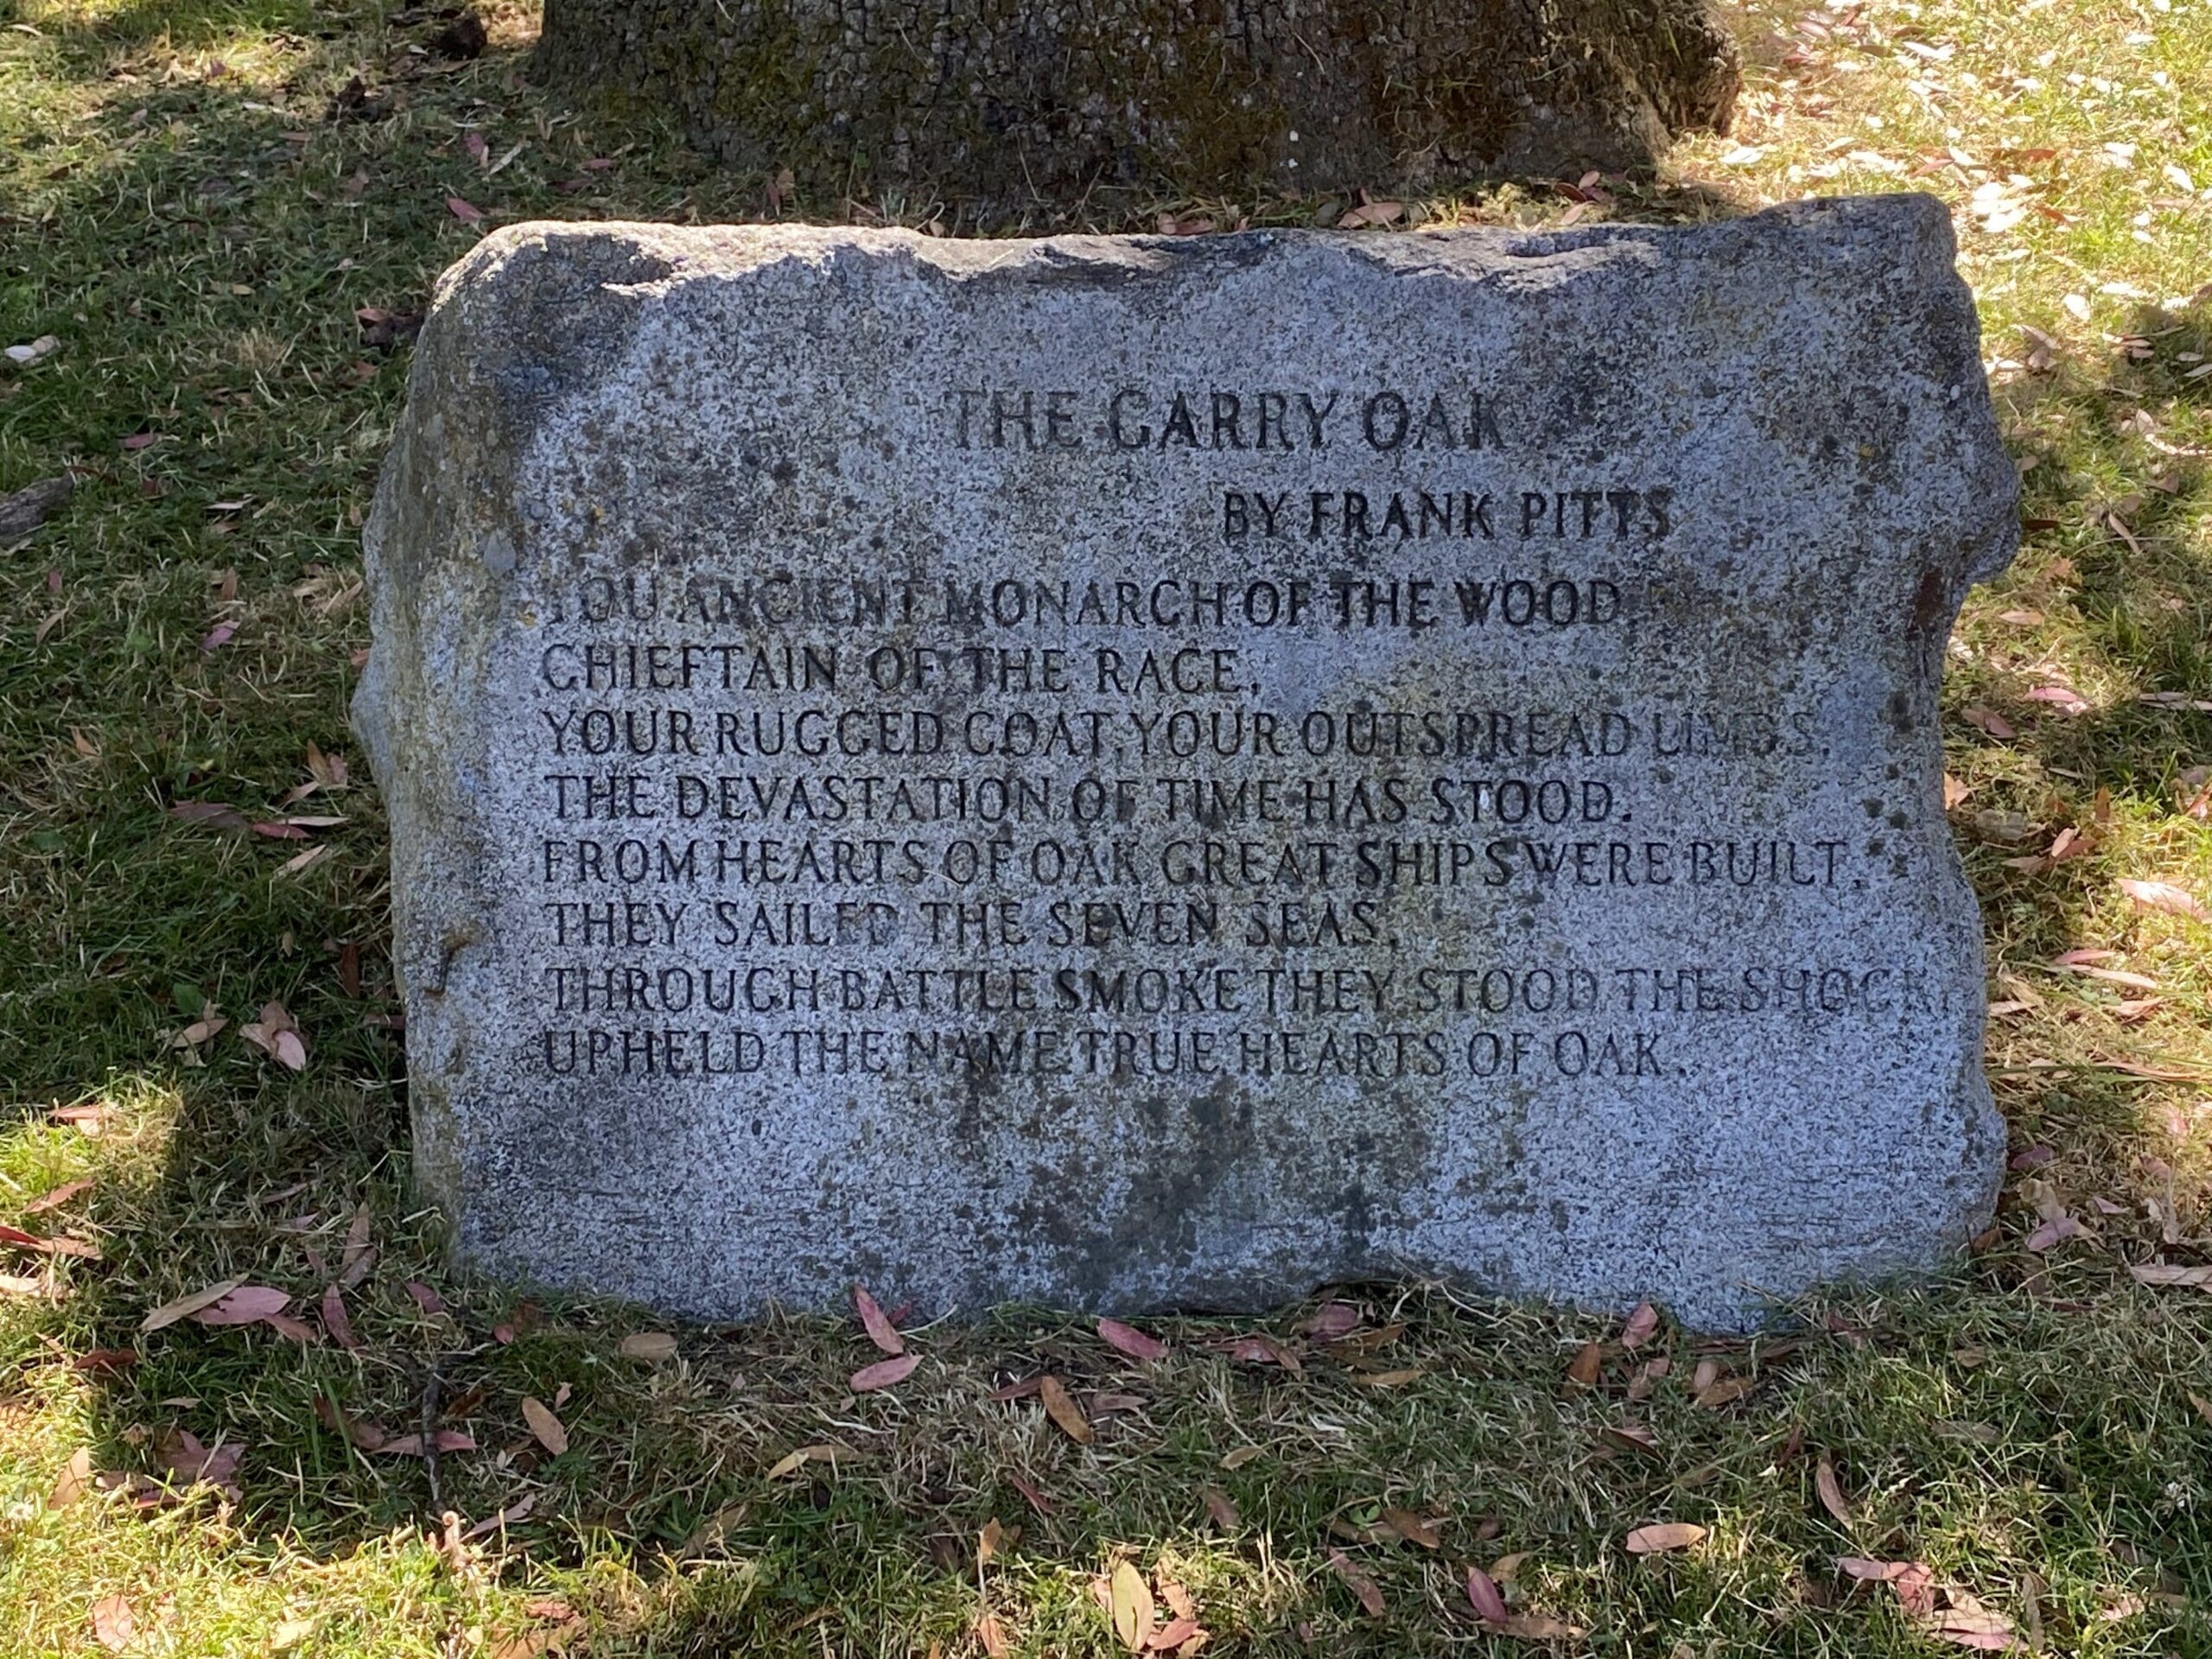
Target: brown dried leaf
[(1412, 1529), (1639, 1328), (1662, 1537), (247, 1305), (1582, 1370), (113, 1624), (1061, 1408), (884, 1373), (544, 1427), (881, 1332), (1831, 1494), (335, 1319), (654, 1347), (1128, 1340), (1332, 1322), (1131, 1606), (2164, 895), (411, 1446), (991, 1637), (72, 1483), (1369, 1593), (170, 1312), (1222, 1508), (1725, 1391)]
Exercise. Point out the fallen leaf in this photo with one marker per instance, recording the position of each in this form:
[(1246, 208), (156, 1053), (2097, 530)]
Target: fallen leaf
[(54, 1199), (1388, 1379), (2164, 895), (1639, 1327), (988, 1542), (652, 1346), (71, 1483), (1369, 1593), (1663, 1536), (517, 1510), (464, 210), (1132, 1607), (1536, 1627), (1990, 721), (1260, 1351), (334, 1320), (2168, 1274), (424, 1298), (1332, 1321), (1725, 1391), (1831, 1494), (880, 1331), (1223, 1509), (1174, 1634), (544, 1427), (247, 1305), (185, 1458), (791, 1462), (883, 1373), (1128, 1340), (991, 1637), (170, 1312), (1488, 1599), (112, 1623), (213, 815), (55, 1244), (1582, 1370), (105, 1362), (1975, 1627), (1061, 1408), (1238, 1456), (411, 1446), (1412, 1529)]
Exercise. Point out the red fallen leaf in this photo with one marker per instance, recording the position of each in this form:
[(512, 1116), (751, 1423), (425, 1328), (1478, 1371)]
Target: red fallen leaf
[(334, 1320), (219, 636), (425, 1298), (138, 440), (884, 1373), (56, 1197), (1174, 1634), (247, 1305), (464, 210), (1332, 1321), (1021, 1390), (59, 1245), (880, 1331), (411, 1446), (599, 164), (1487, 1600), (503, 1334), (2064, 698), (2033, 1158), (475, 144), (277, 830), (1369, 1593), (2164, 895), (285, 1326), (1639, 1328), (105, 1362), (1128, 1340)]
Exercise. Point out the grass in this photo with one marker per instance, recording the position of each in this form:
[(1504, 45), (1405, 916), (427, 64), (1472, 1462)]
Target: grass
[(192, 203)]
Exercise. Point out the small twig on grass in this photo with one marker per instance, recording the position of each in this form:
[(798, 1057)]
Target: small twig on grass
[(431, 1435)]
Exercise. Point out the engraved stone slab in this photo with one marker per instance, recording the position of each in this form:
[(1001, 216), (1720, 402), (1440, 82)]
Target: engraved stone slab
[(1129, 773)]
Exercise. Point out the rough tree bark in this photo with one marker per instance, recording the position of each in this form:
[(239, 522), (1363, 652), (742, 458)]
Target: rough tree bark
[(1007, 100)]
